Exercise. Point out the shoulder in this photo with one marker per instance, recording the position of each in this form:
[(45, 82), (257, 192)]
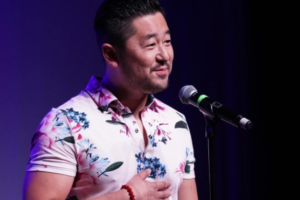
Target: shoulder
[(75, 113), (82, 101)]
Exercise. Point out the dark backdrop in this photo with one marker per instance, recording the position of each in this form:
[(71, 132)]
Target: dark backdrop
[(225, 48)]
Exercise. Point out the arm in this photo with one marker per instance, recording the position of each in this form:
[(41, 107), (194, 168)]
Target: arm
[(46, 185), (188, 190), (51, 186)]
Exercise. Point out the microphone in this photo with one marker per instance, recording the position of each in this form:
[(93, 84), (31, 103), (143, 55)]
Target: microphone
[(189, 95)]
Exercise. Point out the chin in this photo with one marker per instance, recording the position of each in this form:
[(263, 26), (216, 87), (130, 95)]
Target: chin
[(156, 88)]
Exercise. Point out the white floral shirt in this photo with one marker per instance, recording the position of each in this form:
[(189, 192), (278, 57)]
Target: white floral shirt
[(94, 138)]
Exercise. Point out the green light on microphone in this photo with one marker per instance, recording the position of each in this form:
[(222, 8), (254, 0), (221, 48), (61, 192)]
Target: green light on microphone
[(201, 97)]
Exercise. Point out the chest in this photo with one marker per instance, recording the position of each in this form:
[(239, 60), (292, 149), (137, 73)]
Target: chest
[(115, 148)]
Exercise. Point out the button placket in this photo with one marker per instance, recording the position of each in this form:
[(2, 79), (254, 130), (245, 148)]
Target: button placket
[(133, 125), (145, 123)]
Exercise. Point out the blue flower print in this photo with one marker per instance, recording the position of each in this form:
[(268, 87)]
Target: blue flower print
[(157, 168), (77, 117), (61, 126), (86, 125), (85, 144), (189, 154), (138, 157), (62, 131), (103, 163), (93, 161), (152, 141), (163, 171), (164, 140), (189, 159), (159, 135), (139, 168)]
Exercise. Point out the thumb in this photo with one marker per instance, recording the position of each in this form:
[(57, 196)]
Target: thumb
[(144, 174)]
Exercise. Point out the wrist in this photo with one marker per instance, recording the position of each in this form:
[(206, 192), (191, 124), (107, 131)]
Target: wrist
[(129, 191)]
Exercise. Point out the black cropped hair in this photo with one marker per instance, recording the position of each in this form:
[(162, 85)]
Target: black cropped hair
[(114, 17)]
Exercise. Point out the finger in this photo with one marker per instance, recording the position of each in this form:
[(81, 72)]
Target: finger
[(164, 194), (144, 174), (163, 185)]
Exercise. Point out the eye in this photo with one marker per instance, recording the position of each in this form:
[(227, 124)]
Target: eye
[(151, 45), (168, 41)]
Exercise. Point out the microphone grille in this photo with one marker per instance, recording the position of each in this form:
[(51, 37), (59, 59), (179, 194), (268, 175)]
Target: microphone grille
[(185, 93)]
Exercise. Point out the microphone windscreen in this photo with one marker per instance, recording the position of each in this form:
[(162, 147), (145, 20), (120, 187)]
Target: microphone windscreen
[(185, 93)]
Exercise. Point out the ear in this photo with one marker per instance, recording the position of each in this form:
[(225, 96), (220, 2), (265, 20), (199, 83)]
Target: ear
[(110, 55)]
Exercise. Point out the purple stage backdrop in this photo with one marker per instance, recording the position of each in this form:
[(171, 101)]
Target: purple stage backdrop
[(48, 52)]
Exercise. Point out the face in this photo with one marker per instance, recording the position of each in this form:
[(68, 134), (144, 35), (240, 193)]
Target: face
[(147, 60)]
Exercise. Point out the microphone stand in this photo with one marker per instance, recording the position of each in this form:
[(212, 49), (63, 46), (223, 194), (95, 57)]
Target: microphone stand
[(210, 134)]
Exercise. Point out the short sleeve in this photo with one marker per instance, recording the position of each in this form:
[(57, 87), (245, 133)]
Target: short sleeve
[(52, 146), (189, 171)]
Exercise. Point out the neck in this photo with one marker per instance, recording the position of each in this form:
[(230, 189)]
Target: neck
[(134, 100)]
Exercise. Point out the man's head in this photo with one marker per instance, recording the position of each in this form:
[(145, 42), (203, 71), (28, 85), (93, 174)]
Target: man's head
[(135, 41), (114, 17)]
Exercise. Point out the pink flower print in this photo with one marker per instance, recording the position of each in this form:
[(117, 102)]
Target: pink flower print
[(44, 139), (48, 120), (53, 129), (79, 137), (180, 171), (82, 161), (127, 130), (115, 103), (94, 86), (154, 107), (159, 135), (47, 123), (86, 163), (160, 107), (104, 96), (102, 101), (159, 131), (181, 168), (76, 128)]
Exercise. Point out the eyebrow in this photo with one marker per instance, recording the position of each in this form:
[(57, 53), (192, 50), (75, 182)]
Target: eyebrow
[(147, 37)]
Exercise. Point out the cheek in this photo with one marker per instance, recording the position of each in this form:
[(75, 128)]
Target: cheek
[(145, 61)]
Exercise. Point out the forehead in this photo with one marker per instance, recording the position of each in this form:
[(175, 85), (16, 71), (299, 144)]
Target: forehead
[(150, 24)]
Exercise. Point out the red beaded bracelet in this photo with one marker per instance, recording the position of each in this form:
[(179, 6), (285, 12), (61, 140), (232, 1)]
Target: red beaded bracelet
[(129, 190)]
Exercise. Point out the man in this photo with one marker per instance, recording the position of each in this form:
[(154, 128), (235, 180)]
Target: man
[(115, 132)]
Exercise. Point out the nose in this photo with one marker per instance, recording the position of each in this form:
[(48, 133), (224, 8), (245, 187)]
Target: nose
[(162, 54)]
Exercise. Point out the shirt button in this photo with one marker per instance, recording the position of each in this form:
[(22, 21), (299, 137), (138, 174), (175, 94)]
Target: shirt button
[(136, 130)]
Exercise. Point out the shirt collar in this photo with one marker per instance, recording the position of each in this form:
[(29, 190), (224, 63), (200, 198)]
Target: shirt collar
[(105, 99)]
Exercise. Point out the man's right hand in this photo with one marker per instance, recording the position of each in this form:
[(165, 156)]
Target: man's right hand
[(145, 190)]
